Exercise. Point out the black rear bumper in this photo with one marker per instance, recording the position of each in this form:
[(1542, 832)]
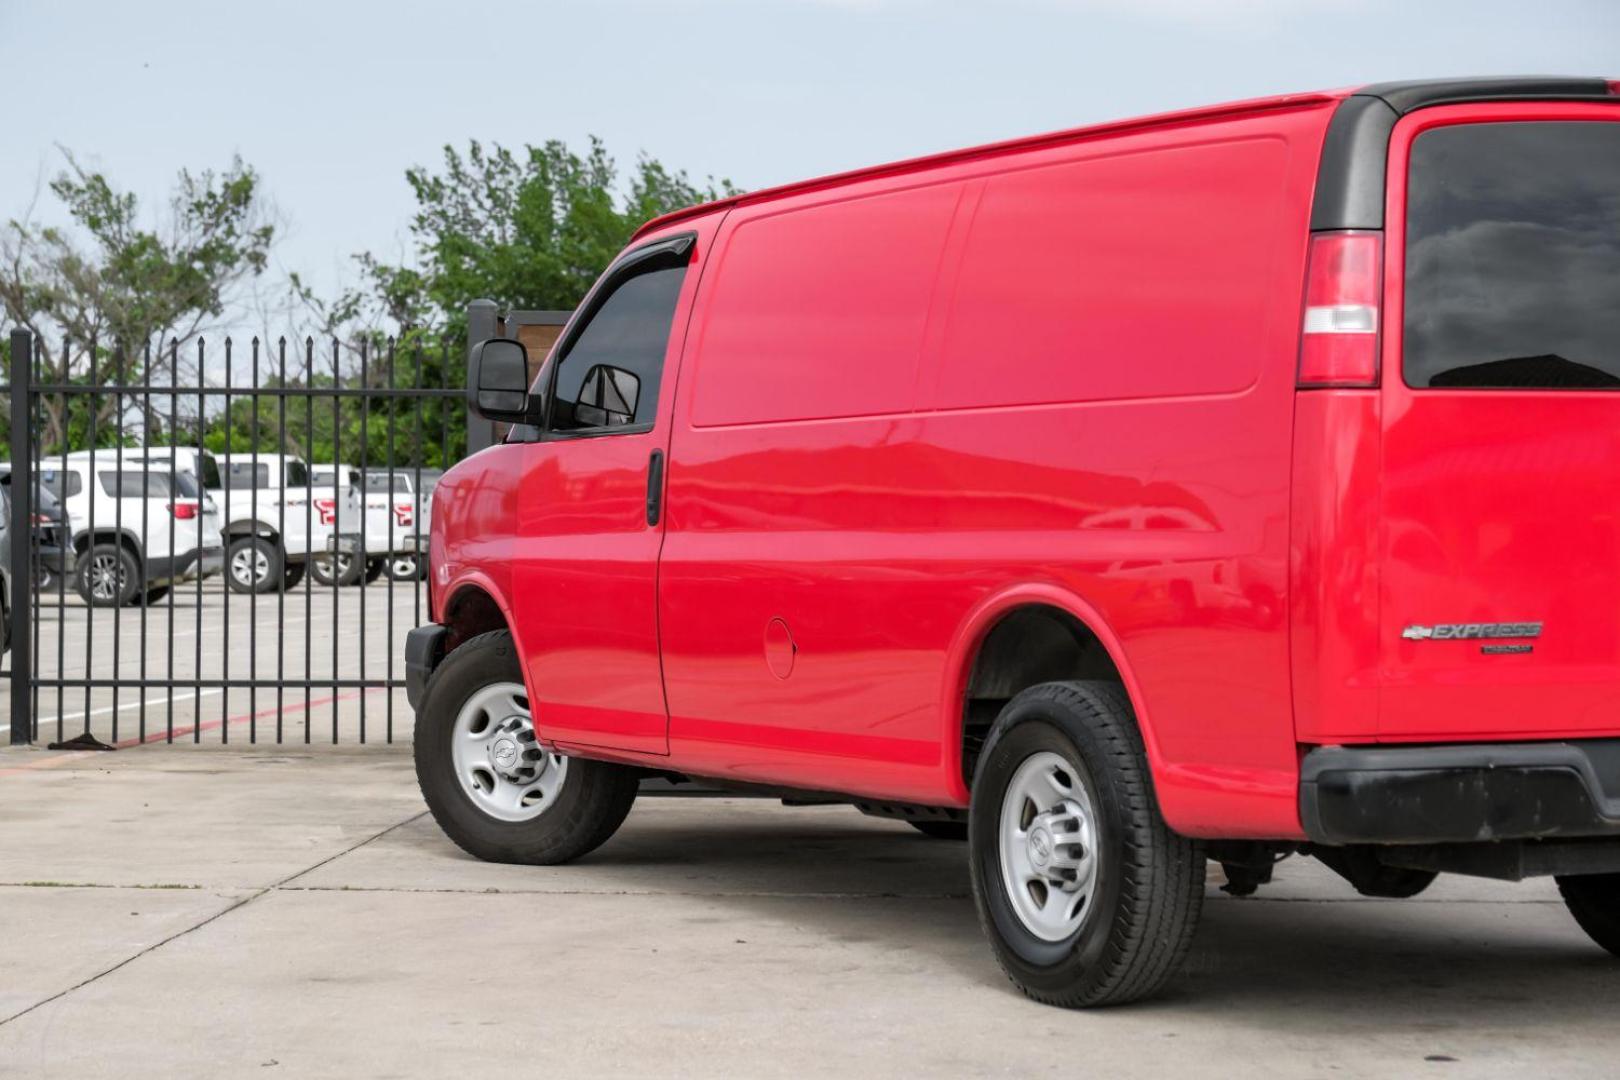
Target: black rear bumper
[(1461, 794), (424, 648)]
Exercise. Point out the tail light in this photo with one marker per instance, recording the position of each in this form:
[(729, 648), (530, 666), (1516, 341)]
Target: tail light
[(1343, 296), (327, 509), (402, 513), (185, 511), (41, 519)]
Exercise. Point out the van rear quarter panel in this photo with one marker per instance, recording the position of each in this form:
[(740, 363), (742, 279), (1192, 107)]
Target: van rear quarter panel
[(1100, 414)]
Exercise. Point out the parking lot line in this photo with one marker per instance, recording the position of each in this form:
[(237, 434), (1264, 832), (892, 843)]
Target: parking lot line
[(158, 736), (163, 700)]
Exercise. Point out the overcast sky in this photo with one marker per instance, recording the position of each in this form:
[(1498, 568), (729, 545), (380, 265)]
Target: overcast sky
[(332, 100)]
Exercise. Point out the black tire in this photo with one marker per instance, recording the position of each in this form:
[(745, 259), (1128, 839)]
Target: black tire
[(156, 593), (404, 568), (1148, 884), (1594, 900), (593, 801), (374, 569), (252, 552), (347, 570), (119, 564), (292, 575), (941, 830)]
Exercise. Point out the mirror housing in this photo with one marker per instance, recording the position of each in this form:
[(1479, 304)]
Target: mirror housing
[(498, 380)]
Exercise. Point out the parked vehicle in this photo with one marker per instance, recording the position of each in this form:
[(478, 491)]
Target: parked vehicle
[(137, 530), (1223, 485), (277, 518), (404, 514), (341, 563), (49, 538), (52, 537)]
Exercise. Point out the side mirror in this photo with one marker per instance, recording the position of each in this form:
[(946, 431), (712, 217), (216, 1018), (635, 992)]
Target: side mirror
[(498, 378)]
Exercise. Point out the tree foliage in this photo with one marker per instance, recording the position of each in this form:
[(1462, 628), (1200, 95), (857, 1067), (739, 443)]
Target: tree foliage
[(108, 289), (531, 229)]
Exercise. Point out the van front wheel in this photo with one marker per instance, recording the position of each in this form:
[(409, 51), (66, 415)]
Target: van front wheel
[(1594, 900), (491, 786), (1086, 895)]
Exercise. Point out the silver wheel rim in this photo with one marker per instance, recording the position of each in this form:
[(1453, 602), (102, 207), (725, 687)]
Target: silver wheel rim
[(1048, 842), (331, 569), (107, 579), (403, 567), (250, 565), (502, 768)]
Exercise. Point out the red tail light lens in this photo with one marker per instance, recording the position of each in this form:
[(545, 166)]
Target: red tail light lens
[(1344, 282), (327, 508), (185, 511), (402, 513)]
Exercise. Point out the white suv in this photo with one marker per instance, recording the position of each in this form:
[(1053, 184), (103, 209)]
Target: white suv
[(137, 528)]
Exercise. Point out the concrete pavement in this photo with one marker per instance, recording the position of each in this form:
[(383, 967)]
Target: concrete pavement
[(260, 912)]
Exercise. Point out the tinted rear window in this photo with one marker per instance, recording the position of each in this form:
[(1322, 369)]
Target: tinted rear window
[(1513, 257)]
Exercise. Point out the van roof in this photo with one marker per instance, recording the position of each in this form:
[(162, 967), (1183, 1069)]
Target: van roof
[(1401, 97), (917, 164)]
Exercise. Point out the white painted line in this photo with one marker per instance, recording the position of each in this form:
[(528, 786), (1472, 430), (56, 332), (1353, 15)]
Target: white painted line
[(162, 700)]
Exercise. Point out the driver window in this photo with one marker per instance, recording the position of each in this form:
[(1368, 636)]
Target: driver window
[(609, 376)]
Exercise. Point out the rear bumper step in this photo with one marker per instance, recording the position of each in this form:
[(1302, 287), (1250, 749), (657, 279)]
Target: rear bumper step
[(1461, 794)]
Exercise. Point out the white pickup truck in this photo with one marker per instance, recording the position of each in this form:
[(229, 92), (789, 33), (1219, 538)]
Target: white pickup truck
[(275, 518), (339, 563), (280, 520), (398, 516)]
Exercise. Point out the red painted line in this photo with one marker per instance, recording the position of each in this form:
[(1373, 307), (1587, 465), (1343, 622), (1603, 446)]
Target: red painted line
[(211, 725)]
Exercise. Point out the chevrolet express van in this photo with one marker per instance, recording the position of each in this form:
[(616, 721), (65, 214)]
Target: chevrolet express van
[(1219, 486)]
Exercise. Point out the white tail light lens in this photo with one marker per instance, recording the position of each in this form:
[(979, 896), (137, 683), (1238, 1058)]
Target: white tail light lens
[(1344, 284)]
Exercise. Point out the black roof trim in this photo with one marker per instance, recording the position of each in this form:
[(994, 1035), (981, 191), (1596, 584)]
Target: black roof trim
[(1403, 97), (1350, 182)]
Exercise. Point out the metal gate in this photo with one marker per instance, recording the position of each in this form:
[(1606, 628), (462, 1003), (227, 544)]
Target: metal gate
[(219, 543)]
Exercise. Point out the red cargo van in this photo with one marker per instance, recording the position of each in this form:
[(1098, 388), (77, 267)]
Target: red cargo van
[(1218, 486)]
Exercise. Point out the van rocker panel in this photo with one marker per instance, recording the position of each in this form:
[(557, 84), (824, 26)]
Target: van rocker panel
[(1461, 794)]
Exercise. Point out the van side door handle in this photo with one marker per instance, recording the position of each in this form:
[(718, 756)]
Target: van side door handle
[(655, 486)]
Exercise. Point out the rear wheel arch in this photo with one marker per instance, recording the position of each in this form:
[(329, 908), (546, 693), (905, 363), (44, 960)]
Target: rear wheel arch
[(84, 541), (1019, 638)]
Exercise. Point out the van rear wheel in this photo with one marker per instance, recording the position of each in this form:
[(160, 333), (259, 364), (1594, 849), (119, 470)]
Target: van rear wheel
[(1594, 900), (1086, 895), (491, 786)]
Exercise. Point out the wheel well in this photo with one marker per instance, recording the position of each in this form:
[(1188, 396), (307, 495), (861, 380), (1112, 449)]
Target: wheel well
[(470, 612), (84, 540), (238, 529), (1028, 646)]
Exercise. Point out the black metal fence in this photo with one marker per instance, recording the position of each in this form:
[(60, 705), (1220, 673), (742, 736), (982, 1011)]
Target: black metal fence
[(219, 543)]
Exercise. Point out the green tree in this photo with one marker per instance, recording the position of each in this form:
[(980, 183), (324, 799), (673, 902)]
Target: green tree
[(107, 289), (529, 229)]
